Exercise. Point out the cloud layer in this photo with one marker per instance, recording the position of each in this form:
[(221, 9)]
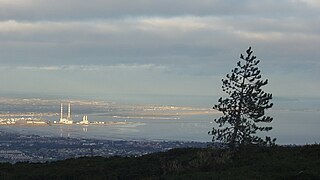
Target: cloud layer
[(184, 39)]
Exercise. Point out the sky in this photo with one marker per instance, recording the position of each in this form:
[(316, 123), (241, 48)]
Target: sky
[(158, 47)]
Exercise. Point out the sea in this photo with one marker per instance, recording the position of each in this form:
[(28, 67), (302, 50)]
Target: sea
[(296, 121)]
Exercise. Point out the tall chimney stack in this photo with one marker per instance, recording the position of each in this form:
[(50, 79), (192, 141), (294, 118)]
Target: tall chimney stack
[(61, 115), (69, 111)]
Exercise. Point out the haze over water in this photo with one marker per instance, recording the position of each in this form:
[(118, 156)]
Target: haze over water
[(295, 122)]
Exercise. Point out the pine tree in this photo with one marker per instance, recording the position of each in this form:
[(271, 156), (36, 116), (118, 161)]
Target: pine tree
[(244, 109)]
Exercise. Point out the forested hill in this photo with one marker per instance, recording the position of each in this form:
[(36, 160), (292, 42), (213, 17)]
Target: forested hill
[(301, 162)]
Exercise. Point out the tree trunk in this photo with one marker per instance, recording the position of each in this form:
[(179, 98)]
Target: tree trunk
[(238, 119)]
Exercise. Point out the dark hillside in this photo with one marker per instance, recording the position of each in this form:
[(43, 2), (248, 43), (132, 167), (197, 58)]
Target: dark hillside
[(250, 163)]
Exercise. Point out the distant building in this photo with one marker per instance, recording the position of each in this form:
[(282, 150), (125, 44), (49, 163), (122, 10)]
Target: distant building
[(68, 119), (33, 122), (84, 120)]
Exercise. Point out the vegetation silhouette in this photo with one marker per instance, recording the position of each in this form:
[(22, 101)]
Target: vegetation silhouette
[(244, 109), (277, 162)]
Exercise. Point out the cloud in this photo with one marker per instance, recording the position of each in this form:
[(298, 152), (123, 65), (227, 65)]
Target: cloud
[(173, 39), (53, 10), (154, 40), (121, 67)]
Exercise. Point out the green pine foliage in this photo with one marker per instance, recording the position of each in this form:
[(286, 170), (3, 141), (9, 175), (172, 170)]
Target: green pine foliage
[(244, 109)]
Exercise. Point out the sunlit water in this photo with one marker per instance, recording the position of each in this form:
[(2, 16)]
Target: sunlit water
[(289, 127)]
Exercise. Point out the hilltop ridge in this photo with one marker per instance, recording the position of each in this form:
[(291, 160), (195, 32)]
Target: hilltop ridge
[(291, 162)]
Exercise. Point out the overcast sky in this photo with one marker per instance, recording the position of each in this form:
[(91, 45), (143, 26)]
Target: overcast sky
[(181, 47)]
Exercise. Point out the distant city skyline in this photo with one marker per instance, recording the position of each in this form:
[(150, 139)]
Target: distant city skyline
[(165, 47)]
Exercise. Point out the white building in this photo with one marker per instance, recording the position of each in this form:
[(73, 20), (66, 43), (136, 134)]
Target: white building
[(68, 119), (84, 120)]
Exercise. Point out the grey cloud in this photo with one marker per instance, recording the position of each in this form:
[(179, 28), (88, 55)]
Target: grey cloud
[(100, 9), (163, 41), (105, 42), (180, 44)]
